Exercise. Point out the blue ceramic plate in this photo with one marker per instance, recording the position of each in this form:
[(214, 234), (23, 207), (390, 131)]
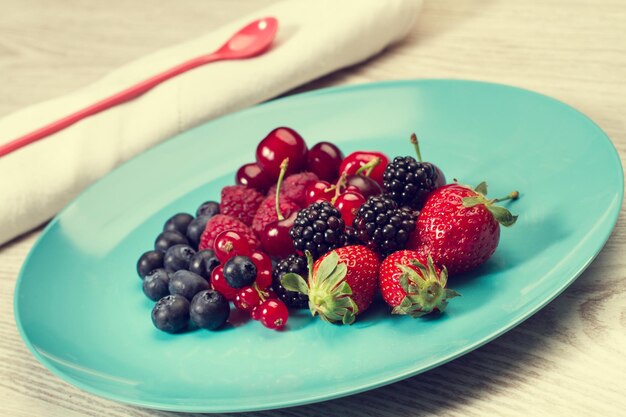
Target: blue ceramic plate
[(81, 311)]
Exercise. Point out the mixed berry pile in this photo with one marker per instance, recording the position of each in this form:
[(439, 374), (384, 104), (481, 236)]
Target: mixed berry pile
[(308, 228)]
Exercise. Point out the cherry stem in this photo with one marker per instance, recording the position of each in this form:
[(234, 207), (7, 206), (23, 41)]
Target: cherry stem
[(514, 195), (369, 166), (417, 146), (341, 183), (281, 175)]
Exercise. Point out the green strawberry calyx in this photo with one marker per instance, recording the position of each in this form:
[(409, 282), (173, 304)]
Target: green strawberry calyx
[(329, 293), (501, 214), (425, 290)]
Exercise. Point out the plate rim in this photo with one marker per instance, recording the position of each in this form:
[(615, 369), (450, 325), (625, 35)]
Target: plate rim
[(355, 388)]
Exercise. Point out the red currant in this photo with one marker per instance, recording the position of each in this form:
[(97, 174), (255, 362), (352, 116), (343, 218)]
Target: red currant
[(267, 295), (229, 244), (319, 191), (273, 314), (351, 164), (264, 269), (279, 144), (255, 313), (220, 285), (247, 298), (324, 160), (348, 204), (252, 176)]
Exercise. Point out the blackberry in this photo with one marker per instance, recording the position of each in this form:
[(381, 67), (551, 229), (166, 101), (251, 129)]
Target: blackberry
[(318, 228), (382, 226), (408, 182), (352, 237), (296, 264)]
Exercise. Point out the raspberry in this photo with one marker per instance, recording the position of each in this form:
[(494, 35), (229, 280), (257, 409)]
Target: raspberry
[(241, 202), (220, 222), (266, 212), (294, 187)]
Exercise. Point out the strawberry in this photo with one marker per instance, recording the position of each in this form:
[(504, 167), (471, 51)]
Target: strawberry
[(459, 227), (412, 288), (241, 202), (341, 284)]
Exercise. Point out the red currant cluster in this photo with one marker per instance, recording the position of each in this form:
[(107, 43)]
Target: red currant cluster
[(256, 297)]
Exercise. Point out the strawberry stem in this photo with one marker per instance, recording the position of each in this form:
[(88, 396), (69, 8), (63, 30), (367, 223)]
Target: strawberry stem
[(417, 146), (368, 167), (281, 175), (513, 195)]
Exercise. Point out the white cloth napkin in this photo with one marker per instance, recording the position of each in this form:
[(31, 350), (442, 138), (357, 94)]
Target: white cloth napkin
[(314, 39)]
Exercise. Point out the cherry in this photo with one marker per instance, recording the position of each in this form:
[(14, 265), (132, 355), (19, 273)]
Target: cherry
[(348, 204), (366, 186), (272, 314), (247, 298), (280, 144), (351, 164), (252, 176), (220, 285), (441, 179), (275, 237), (319, 191), (324, 160), (229, 244), (264, 269)]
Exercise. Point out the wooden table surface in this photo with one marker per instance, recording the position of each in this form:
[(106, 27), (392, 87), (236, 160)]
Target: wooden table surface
[(567, 359)]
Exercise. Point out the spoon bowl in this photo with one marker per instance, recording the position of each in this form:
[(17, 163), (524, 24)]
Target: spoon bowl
[(251, 40)]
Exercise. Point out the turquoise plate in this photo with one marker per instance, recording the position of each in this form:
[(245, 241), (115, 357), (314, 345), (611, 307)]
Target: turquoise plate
[(80, 309)]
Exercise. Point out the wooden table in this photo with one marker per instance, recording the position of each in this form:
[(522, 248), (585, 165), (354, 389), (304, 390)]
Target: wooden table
[(570, 358)]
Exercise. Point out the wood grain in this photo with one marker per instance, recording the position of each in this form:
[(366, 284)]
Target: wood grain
[(568, 359)]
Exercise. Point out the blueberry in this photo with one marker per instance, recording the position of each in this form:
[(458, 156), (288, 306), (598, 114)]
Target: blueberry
[(149, 261), (195, 229), (178, 223), (203, 263), (209, 309), (187, 284), (239, 271), (166, 240), (208, 208), (178, 257), (171, 313), (155, 284)]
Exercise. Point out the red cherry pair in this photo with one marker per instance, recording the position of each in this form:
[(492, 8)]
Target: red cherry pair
[(323, 159)]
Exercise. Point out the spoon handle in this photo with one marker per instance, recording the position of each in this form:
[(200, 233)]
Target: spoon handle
[(108, 102)]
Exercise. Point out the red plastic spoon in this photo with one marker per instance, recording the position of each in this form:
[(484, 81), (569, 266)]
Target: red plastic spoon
[(250, 41)]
